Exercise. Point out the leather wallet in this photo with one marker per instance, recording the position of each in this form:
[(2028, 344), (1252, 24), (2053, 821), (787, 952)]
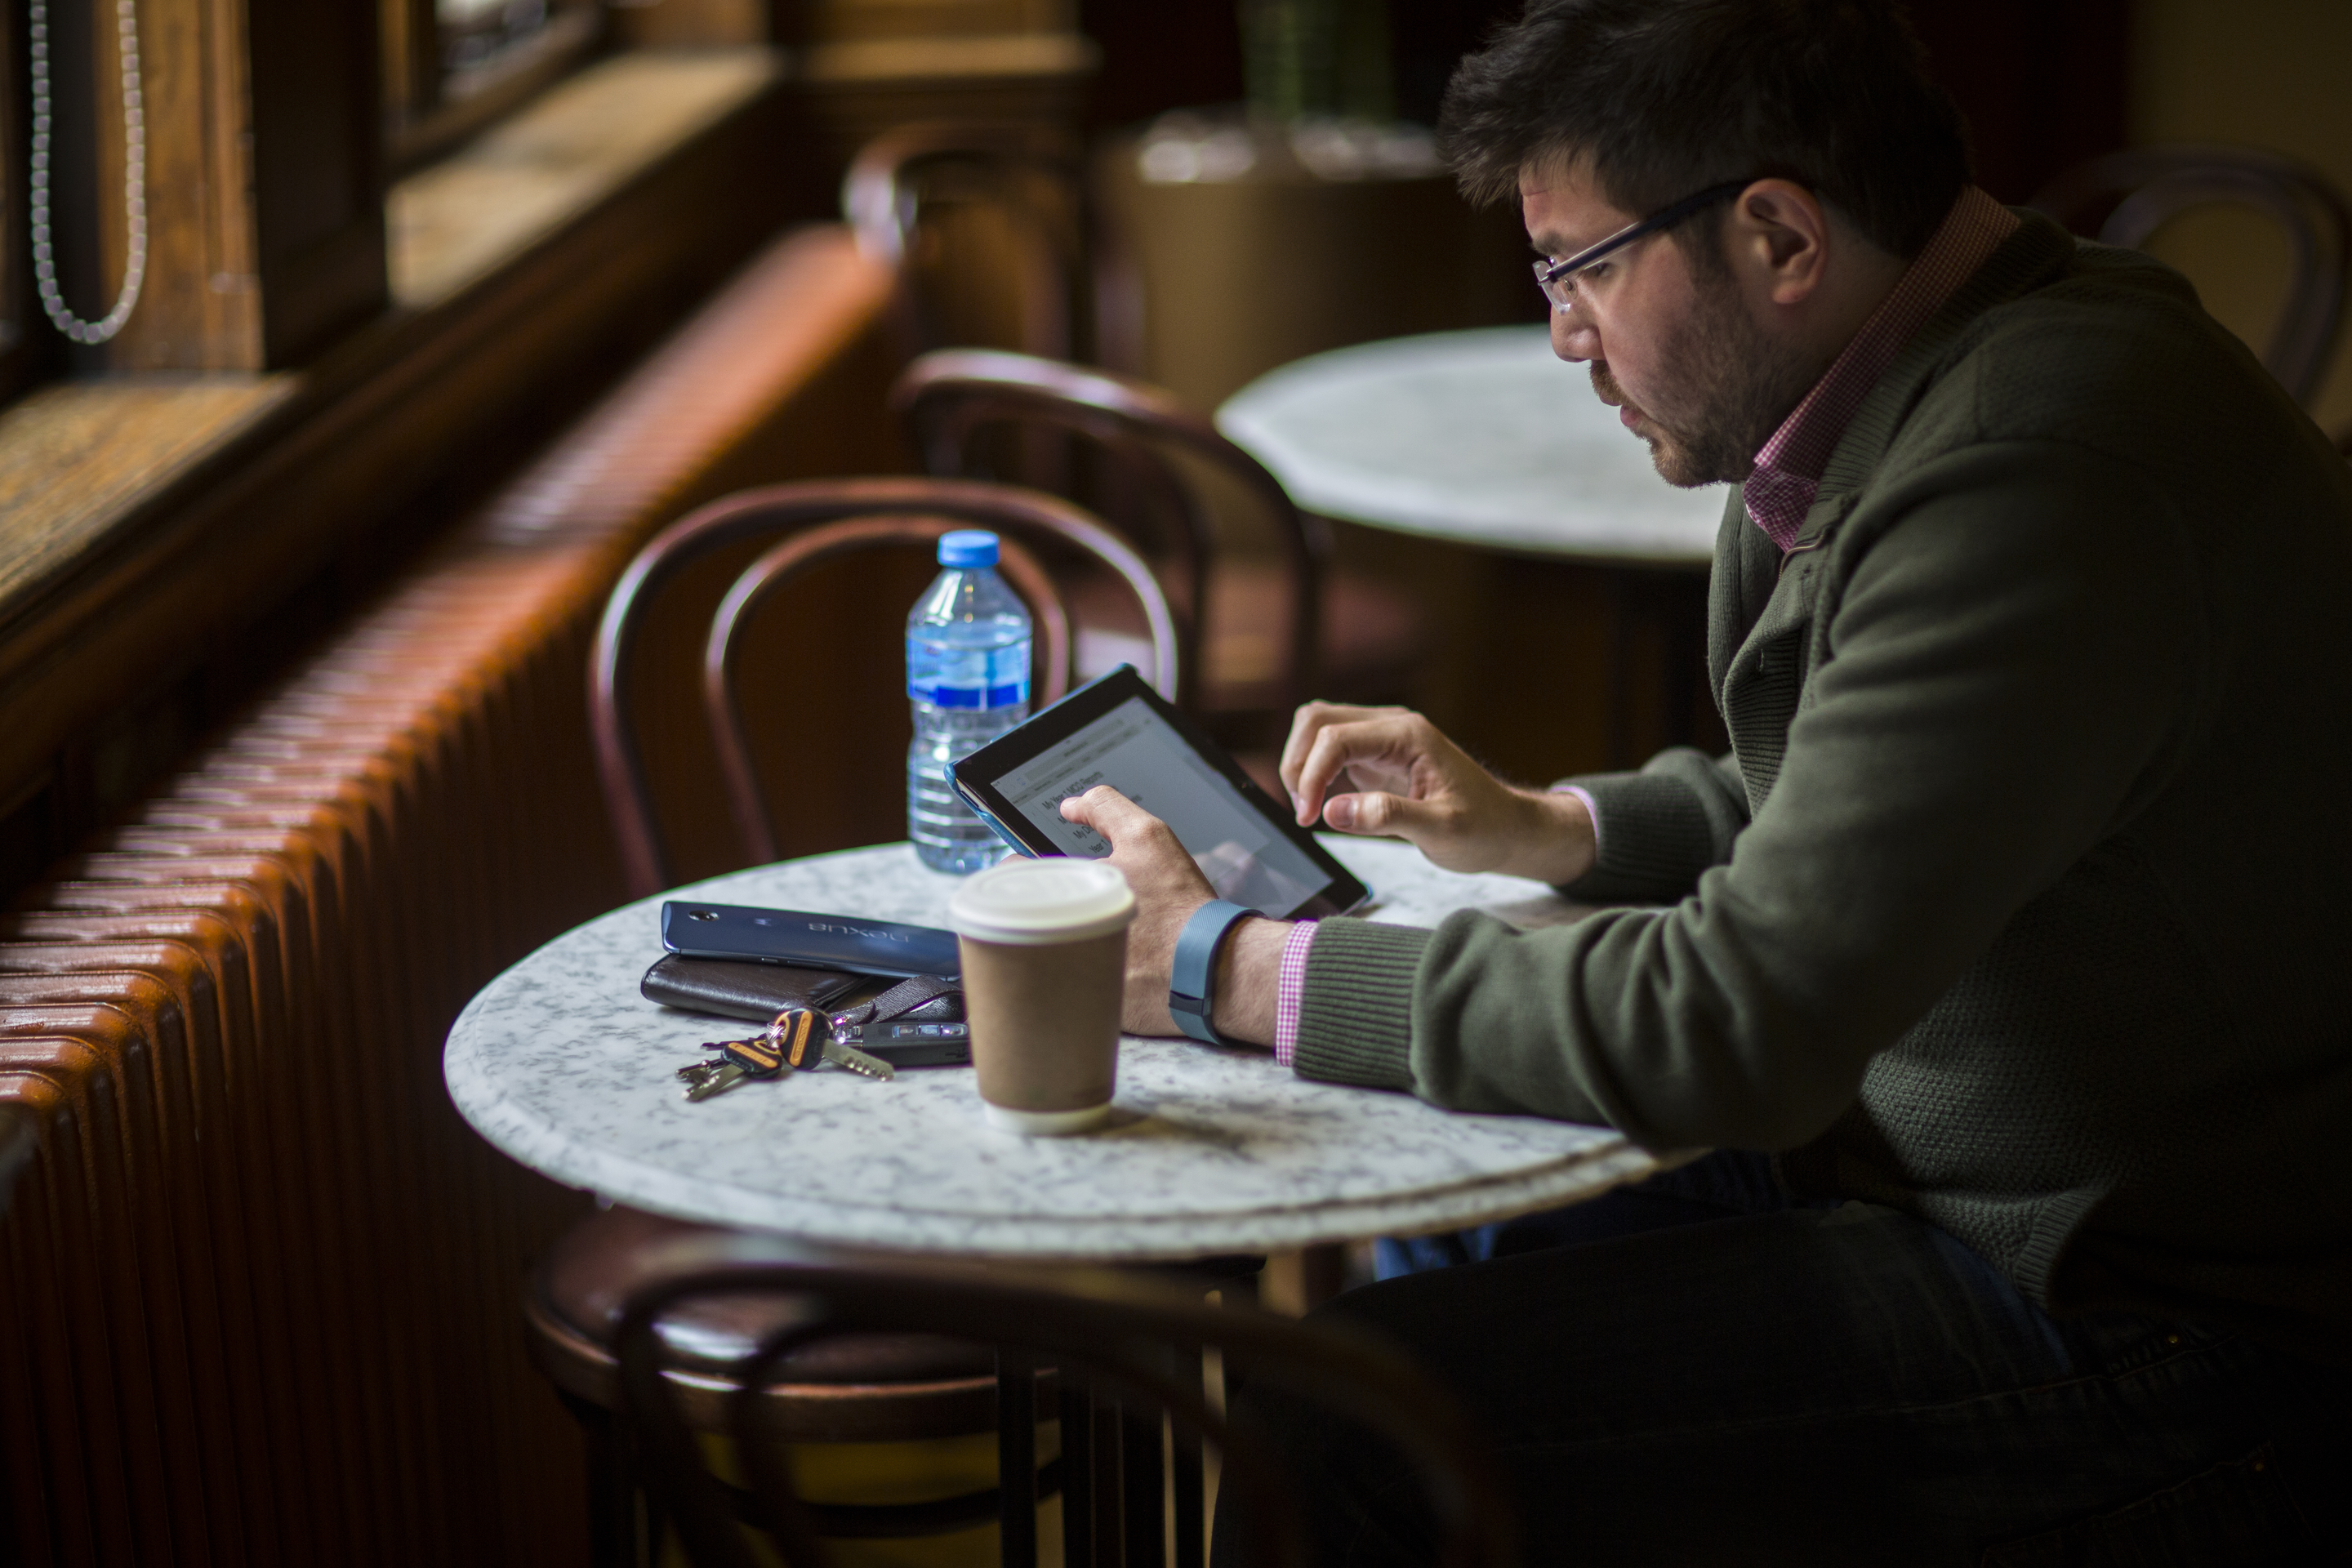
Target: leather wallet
[(754, 990), (760, 991)]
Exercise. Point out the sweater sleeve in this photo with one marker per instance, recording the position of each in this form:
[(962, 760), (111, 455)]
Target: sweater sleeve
[(2013, 650), (1657, 829)]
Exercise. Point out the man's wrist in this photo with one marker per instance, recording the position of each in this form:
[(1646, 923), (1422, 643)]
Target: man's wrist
[(1560, 840), (1249, 977)]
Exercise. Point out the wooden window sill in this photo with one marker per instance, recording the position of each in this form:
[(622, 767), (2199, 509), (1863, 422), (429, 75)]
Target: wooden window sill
[(115, 494), (522, 181)]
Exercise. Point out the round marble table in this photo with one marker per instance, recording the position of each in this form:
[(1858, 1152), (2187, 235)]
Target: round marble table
[(1480, 437), (563, 1066)]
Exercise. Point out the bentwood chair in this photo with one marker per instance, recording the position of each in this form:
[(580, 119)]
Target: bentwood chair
[(1107, 1355), (1023, 516), (853, 1389), (2125, 197), (988, 229), (1261, 629)]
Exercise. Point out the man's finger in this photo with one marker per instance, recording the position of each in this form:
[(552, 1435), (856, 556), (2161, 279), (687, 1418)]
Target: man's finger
[(1309, 723), (1108, 813), (1305, 725), (1336, 746), (1381, 814)]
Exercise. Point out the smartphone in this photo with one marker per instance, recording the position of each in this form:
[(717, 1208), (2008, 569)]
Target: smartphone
[(746, 932)]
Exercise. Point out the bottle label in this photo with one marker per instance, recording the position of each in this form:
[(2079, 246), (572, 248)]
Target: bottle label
[(976, 679)]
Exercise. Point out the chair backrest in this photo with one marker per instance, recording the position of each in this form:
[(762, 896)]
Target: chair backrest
[(737, 771), (908, 510), (1115, 1341), (1033, 177), (951, 397), (2129, 196)]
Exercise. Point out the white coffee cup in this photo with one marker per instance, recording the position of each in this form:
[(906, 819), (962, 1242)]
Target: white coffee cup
[(1044, 964)]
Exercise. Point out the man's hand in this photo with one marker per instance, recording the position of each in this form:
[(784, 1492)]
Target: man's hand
[(1168, 887), (1403, 778)]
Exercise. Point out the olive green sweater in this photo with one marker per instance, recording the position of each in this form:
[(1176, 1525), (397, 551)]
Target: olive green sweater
[(2020, 903)]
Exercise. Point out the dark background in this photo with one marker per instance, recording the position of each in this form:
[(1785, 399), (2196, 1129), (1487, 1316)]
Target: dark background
[(2041, 81)]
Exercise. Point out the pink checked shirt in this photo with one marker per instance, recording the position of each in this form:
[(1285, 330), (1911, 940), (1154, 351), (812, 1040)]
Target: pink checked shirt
[(1789, 470), (1788, 474)]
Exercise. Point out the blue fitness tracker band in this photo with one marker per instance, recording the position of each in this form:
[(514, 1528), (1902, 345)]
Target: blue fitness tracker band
[(1193, 982)]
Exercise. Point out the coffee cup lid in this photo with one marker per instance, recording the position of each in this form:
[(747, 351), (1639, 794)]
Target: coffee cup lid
[(1027, 903)]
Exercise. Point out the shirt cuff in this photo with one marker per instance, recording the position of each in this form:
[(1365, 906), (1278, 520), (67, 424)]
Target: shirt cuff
[(1591, 810), (1290, 994)]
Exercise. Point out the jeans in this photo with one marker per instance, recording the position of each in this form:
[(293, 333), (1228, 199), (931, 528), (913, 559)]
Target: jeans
[(1698, 1371)]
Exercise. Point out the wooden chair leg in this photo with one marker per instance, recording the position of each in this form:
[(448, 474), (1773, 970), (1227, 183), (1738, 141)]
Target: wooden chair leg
[(1295, 1283), (620, 1529), (1110, 1489), (1189, 1481), (1016, 1460), (1078, 1489), (1142, 1479)]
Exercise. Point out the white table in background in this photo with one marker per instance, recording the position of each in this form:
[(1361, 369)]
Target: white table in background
[(1482, 437), (563, 1066)]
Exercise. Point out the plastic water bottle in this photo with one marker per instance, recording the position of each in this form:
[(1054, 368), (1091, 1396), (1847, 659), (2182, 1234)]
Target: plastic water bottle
[(968, 680)]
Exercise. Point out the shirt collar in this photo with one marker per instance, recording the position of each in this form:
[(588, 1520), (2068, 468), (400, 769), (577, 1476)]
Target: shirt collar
[(1788, 473)]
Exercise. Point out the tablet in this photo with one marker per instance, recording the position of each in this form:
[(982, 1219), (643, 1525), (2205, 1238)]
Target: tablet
[(1118, 730)]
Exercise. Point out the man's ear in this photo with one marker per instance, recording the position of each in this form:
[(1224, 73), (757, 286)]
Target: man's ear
[(1777, 240)]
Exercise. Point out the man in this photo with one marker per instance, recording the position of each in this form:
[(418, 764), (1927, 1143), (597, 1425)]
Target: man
[(1999, 961)]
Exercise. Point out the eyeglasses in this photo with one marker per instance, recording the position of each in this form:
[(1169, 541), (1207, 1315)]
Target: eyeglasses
[(1558, 278)]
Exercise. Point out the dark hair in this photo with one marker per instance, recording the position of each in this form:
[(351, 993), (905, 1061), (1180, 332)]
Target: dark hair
[(1665, 98)]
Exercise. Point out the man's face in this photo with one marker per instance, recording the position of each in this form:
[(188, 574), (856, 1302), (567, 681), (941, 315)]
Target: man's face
[(1673, 348)]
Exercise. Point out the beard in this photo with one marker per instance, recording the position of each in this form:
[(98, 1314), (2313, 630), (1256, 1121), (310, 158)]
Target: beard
[(1731, 387)]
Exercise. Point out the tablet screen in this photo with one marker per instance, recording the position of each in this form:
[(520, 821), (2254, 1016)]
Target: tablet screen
[(1135, 751), (1119, 731)]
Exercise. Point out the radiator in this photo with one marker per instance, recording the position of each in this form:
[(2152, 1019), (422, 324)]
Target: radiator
[(258, 1285)]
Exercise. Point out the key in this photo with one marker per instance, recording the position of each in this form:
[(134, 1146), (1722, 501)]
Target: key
[(804, 1037), (799, 1038), (737, 1060), (841, 1052)]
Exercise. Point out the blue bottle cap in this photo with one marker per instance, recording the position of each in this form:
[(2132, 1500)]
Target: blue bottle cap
[(967, 547)]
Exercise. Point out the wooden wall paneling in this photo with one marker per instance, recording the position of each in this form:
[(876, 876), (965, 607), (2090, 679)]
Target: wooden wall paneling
[(866, 66), (409, 62), (265, 211), (833, 21), (318, 184), (25, 355), (672, 24), (200, 308)]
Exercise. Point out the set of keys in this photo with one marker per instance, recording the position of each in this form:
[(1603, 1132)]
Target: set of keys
[(799, 1038)]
